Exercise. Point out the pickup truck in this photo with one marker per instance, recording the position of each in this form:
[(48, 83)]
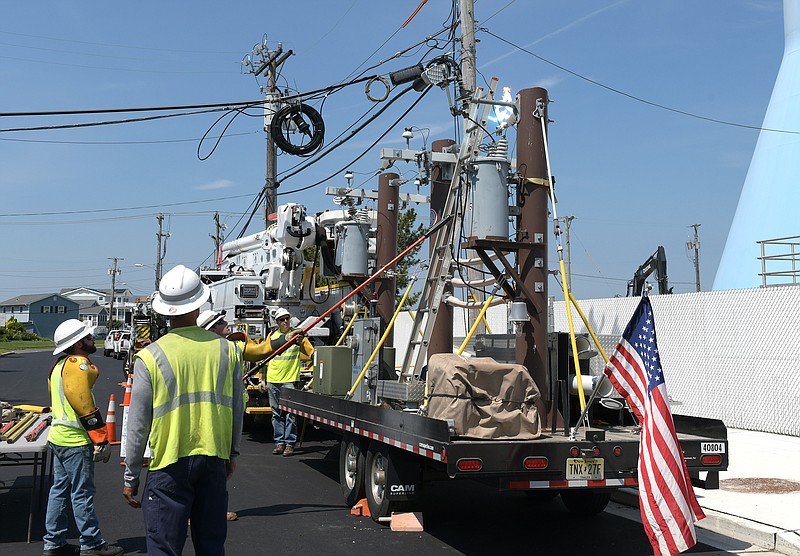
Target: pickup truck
[(122, 346), (111, 339)]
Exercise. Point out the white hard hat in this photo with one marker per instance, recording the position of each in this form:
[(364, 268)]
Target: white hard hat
[(68, 333), (280, 312), (179, 292), (207, 319)]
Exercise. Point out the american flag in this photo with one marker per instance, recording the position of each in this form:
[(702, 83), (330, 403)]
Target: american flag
[(666, 499)]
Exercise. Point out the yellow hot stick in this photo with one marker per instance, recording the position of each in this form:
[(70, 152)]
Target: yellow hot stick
[(382, 340), (564, 285)]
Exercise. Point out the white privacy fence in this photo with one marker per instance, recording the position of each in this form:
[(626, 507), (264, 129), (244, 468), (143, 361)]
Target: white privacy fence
[(730, 355)]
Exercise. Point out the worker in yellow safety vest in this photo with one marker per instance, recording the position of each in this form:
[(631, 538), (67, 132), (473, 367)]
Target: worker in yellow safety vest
[(78, 437), (187, 397), (284, 372)]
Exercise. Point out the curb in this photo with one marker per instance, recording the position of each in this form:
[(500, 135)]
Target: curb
[(8, 353), (739, 528)]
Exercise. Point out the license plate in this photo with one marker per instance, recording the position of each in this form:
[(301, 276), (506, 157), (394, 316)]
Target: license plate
[(712, 447), (589, 469)]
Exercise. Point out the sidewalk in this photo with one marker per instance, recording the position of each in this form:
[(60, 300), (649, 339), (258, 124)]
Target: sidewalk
[(758, 501)]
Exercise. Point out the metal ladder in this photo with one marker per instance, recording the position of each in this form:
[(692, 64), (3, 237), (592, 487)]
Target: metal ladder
[(442, 250)]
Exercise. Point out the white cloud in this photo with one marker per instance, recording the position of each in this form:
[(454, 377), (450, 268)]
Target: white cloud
[(218, 184)]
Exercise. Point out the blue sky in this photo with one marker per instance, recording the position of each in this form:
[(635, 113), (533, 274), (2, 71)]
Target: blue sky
[(634, 174)]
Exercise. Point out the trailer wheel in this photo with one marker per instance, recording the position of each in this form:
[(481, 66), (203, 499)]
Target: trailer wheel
[(352, 461), (584, 501), (377, 483)]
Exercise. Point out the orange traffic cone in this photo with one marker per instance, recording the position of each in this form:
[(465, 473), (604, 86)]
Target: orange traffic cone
[(126, 401), (111, 422)]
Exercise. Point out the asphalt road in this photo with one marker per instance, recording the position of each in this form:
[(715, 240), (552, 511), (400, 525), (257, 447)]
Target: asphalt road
[(294, 505)]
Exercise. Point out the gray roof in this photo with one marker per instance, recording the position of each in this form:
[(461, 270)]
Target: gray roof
[(27, 299)]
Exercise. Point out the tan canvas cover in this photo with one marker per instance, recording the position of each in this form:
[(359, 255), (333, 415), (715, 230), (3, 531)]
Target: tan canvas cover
[(485, 399)]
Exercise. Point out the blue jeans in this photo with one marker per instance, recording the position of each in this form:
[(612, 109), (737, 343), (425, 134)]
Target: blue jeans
[(73, 479), (192, 487), (284, 424)]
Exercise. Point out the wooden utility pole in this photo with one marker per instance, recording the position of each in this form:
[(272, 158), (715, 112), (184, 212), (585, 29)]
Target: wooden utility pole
[(567, 221), (261, 60), (217, 237), (113, 271), (696, 246), (161, 251)]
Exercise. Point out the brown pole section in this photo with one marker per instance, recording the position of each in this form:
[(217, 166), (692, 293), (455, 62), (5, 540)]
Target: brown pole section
[(386, 248), (532, 198), (441, 340)]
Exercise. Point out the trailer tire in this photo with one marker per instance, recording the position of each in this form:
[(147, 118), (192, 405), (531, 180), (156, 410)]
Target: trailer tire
[(375, 481), (352, 464), (585, 501)]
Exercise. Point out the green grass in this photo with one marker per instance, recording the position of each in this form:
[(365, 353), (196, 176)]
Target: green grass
[(19, 345)]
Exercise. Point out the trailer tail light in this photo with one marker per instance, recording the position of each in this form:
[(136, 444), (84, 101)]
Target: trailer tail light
[(617, 451), (711, 460), (596, 451), (469, 464), (538, 462), (574, 452)]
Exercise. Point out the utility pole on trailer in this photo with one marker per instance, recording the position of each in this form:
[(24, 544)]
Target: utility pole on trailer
[(113, 271), (468, 75)]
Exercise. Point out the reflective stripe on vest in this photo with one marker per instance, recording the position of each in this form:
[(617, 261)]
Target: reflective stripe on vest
[(191, 372), (217, 397)]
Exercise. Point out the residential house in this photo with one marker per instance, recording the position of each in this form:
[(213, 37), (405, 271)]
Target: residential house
[(124, 304), (41, 313)]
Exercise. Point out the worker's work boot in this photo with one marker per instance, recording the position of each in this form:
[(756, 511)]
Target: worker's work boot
[(104, 549), (231, 516), (289, 451), (63, 550), (278, 450)]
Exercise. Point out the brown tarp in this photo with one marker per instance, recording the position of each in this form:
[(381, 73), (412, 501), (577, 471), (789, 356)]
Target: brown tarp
[(485, 399)]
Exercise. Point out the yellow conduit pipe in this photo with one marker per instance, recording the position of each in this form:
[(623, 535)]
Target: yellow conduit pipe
[(382, 340), (575, 359)]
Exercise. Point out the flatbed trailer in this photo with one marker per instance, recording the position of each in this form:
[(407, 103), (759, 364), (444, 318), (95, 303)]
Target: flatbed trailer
[(388, 455)]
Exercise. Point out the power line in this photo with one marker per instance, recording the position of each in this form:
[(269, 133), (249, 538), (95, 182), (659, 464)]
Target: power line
[(123, 209), (634, 97)]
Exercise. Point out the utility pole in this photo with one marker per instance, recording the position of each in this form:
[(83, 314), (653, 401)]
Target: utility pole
[(261, 60), (160, 252), (113, 271), (696, 246), (468, 76), (217, 236), (468, 46), (567, 221)]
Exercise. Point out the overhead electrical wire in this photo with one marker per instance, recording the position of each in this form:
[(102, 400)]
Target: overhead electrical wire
[(634, 97), (367, 150)]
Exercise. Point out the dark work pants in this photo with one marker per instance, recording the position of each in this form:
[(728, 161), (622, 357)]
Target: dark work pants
[(193, 487)]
